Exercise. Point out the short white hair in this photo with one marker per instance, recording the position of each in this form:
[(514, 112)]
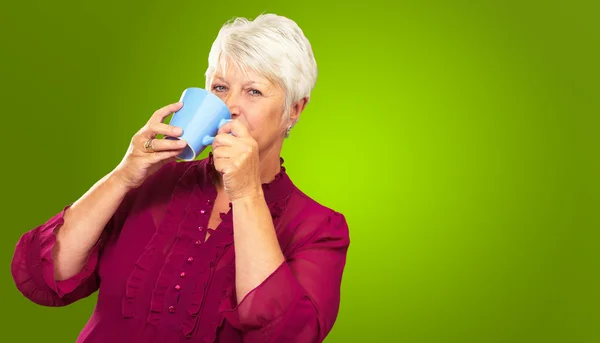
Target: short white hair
[(271, 45)]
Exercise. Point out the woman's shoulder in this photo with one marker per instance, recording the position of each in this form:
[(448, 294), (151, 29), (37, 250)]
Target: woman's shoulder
[(172, 172), (316, 216), (168, 176), (177, 169), (311, 205), (164, 185)]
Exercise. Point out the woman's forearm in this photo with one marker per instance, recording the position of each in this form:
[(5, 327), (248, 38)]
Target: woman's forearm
[(83, 224), (257, 251)]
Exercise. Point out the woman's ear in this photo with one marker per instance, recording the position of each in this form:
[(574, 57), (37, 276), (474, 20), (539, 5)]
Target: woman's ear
[(297, 109)]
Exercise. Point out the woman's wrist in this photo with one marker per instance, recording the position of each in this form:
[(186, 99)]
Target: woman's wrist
[(118, 181), (249, 199)]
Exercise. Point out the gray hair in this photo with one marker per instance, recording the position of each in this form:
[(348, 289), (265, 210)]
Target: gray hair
[(272, 46)]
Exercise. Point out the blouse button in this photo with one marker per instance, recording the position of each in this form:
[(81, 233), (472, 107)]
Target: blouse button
[(190, 259), (172, 309), (202, 211), (198, 242), (177, 287), (200, 228), (182, 274), (208, 202)]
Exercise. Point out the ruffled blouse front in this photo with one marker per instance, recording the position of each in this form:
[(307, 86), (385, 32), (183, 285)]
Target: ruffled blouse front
[(159, 280)]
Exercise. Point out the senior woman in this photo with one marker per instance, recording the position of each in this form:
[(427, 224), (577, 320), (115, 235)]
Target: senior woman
[(223, 249)]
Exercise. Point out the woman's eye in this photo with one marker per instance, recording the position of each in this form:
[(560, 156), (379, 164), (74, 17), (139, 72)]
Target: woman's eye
[(255, 92), (219, 88)]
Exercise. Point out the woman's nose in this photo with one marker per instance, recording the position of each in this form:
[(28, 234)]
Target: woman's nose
[(233, 104)]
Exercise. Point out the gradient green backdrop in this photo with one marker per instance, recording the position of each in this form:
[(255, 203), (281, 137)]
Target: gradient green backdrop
[(460, 139)]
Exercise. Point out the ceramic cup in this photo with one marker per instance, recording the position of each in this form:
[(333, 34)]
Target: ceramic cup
[(200, 117)]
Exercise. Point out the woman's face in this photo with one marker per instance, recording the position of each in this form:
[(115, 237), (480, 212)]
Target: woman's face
[(255, 101)]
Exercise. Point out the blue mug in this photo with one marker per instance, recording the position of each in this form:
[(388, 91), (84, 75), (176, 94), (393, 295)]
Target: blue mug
[(200, 117)]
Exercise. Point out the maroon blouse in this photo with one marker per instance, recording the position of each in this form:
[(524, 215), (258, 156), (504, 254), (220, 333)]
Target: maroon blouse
[(158, 280)]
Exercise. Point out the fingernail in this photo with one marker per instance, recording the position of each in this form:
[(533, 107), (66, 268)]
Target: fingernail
[(177, 130)]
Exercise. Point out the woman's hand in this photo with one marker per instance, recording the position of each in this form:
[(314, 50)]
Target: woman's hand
[(146, 154), (236, 158)]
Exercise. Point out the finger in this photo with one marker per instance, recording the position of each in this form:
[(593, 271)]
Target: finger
[(160, 114), (168, 144), (163, 129), (222, 164), (223, 140), (222, 152), (164, 155), (153, 144), (237, 128), (226, 128), (222, 169)]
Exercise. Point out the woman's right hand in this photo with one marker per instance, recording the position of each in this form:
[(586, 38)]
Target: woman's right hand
[(140, 162)]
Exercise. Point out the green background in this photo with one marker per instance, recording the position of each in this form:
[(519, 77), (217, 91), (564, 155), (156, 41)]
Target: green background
[(460, 140)]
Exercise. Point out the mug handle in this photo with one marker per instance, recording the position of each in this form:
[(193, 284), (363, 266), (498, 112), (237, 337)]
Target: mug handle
[(207, 140)]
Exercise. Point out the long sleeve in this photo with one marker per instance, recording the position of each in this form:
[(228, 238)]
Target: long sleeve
[(32, 266), (299, 301), (33, 270)]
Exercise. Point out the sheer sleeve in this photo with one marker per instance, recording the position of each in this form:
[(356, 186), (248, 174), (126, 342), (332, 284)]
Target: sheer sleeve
[(299, 301), (32, 266), (33, 269)]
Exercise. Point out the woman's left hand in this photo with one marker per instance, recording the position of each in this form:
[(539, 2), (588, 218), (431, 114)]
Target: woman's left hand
[(236, 158)]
